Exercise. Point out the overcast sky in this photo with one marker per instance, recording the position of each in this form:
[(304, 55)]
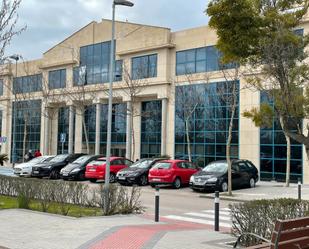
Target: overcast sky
[(50, 21)]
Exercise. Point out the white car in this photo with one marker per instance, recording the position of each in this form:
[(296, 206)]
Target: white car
[(25, 169)]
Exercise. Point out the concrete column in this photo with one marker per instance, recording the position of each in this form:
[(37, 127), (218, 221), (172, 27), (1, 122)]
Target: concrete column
[(97, 128), (44, 147), (6, 128), (78, 144), (137, 107), (71, 130), (129, 131), (53, 141), (164, 127)]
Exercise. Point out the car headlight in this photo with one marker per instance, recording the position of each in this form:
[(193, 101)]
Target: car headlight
[(213, 179), (75, 170), (61, 171), (192, 179)]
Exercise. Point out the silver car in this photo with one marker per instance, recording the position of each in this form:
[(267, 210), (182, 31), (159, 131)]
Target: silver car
[(25, 169)]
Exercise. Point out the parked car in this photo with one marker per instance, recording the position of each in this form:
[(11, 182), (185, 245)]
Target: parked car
[(215, 176), (52, 168), (25, 169), (76, 170), (95, 170), (171, 172), (137, 173)]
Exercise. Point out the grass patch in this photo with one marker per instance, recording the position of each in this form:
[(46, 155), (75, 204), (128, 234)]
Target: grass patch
[(7, 202)]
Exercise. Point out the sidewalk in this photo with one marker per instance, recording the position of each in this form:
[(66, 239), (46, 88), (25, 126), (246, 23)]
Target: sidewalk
[(264, 190), (29, 229)]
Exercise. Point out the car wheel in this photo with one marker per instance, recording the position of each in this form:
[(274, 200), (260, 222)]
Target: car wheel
[(93, 180), (224, 186), (252, 183), (112, 178), (177, 183), (143, 180), (55, 174)]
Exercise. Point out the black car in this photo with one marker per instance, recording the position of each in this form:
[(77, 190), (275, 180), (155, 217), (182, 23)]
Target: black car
[(76, 170), (137, 173), (52, 168), (215, 176)]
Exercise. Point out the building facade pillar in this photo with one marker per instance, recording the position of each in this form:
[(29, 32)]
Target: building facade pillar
[(53, 127), (78, 143), (98, 128), (71, 129), (164, 127), (44, 145), (129, 131)]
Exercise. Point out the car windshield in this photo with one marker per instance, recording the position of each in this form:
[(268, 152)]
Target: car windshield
[(59, 158), (98, 162), (142, 164), (82, 159), (216, 167), (162, 165), (37, 159)]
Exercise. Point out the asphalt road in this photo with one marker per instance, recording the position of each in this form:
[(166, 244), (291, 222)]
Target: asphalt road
[(172, 201)]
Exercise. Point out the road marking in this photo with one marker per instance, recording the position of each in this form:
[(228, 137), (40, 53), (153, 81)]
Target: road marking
[(209, 216), (220, 212), (200, 221)]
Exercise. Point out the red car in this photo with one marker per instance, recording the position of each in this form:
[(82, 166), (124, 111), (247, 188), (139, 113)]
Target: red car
[(95, 170), (172, 172)]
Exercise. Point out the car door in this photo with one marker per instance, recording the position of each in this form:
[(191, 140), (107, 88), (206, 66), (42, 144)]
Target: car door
[(180, 170), (244, 173), (117, 165), (236, 176), (190, 169)]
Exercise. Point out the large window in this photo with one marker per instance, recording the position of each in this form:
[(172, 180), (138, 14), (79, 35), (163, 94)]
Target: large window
[(57, 79), (151, 129), (63, 127), (118, 126), (27, 126), (273, 150), (27, 84), (94, 65), (144, 67), (1, 87), (207, 109), (199, 60)]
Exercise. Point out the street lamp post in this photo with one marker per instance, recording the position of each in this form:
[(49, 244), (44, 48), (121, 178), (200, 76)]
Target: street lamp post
[(110, 101), (16, 58)]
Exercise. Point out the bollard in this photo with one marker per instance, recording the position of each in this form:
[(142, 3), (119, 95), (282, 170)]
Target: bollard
[(217, 199), (157, 203), (299, 189)]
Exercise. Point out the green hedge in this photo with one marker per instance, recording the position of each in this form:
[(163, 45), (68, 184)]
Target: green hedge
[(122, 200), (259, 216)]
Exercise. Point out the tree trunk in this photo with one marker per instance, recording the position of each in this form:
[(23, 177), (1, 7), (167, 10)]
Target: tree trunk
[(228, 149), (25, 138), (288, 154), (85, 132), (188, 140)]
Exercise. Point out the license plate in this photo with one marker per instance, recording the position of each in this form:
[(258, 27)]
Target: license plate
[(156, 179), (121, 178), (36, 172), (91, 169), (65, 174)]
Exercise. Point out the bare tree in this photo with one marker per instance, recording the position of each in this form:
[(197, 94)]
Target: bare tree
[(8, 24)]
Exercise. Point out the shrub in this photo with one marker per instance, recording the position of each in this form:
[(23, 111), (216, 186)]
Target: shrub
[(259, 216)]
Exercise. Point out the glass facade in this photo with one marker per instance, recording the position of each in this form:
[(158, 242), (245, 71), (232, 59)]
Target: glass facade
[(94, 65), (198, 60), (1, 87), (118, 127), (27, 126), (151, 128), (207, 107), (144, 67), (27, 84), (57, 79), (63, 127), (273, 151)]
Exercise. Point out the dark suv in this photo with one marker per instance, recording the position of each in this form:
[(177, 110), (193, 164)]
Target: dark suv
[(52, 168)]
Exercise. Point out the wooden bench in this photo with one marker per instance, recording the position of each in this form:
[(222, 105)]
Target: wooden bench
[(287, 234)]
